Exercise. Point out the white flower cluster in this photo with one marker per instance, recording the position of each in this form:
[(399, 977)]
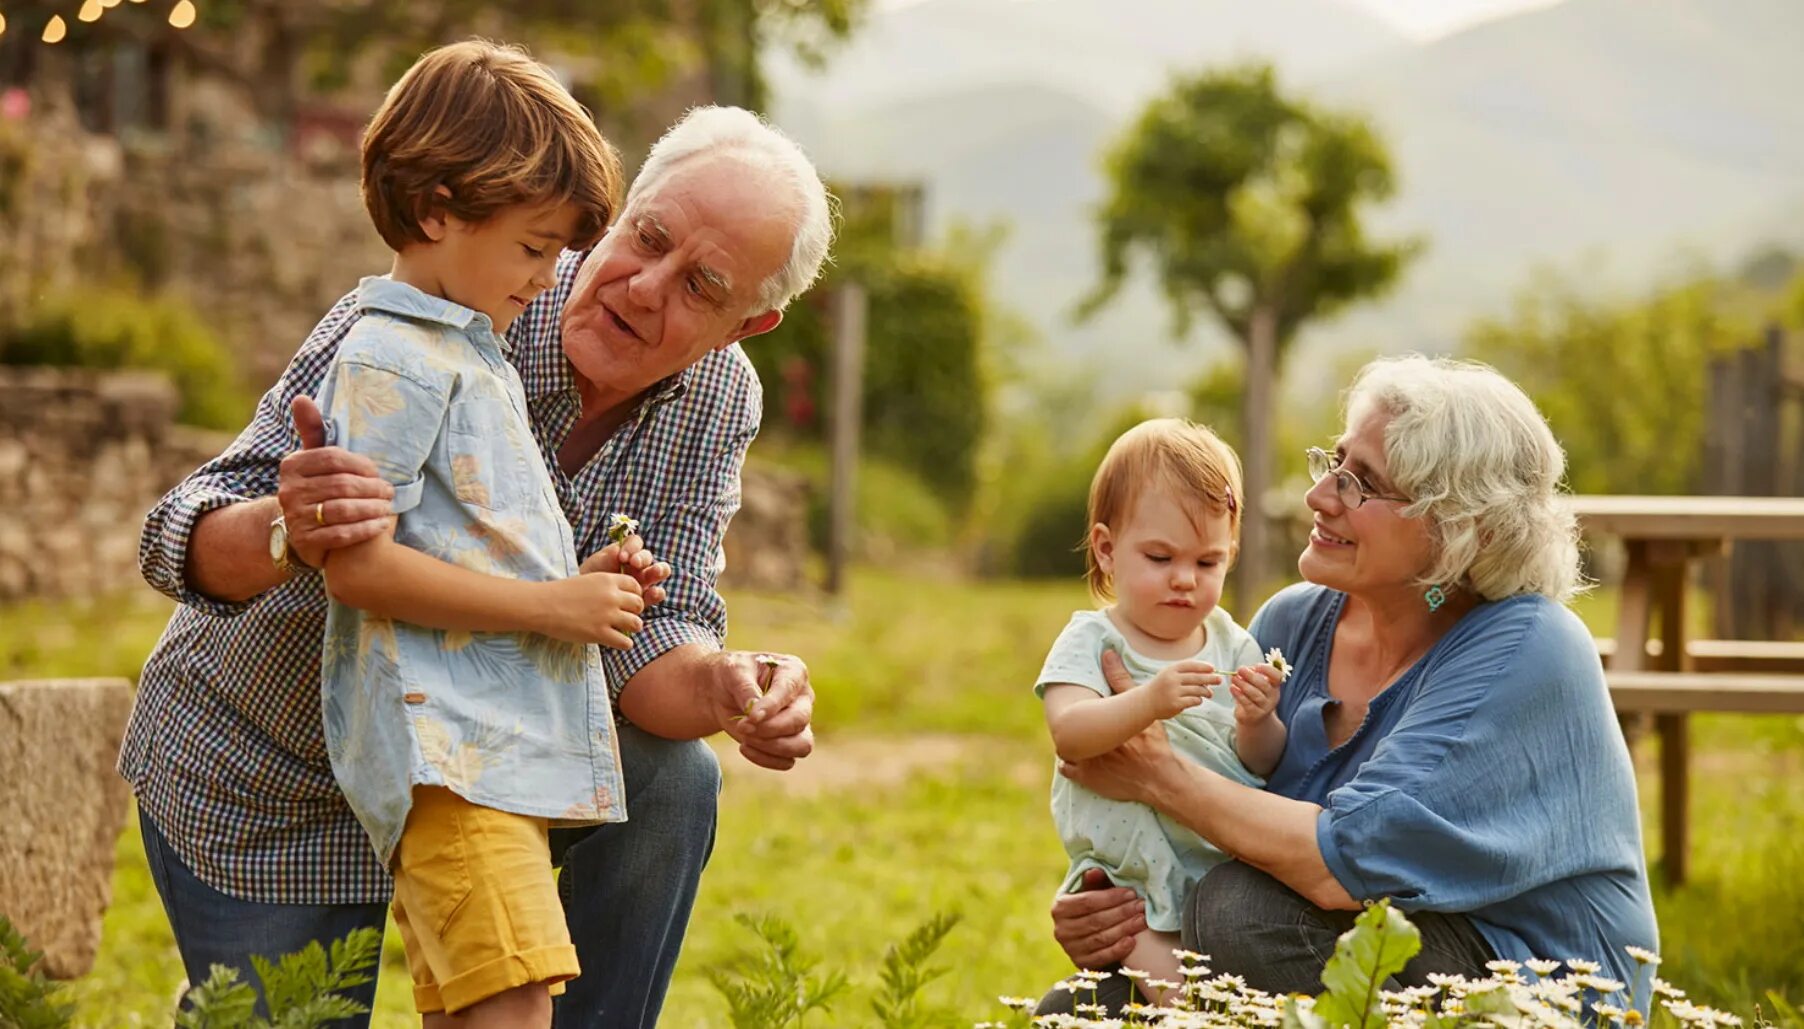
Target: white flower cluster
[(1582, 998)]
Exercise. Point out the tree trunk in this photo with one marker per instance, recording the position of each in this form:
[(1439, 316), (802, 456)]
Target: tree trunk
[(1253, 571)]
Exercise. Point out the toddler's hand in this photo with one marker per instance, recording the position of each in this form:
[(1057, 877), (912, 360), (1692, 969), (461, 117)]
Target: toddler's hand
[(1255, 690), (1181, 686)]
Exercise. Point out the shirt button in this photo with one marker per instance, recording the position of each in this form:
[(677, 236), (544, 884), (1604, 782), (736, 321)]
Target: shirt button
[(414, 697)]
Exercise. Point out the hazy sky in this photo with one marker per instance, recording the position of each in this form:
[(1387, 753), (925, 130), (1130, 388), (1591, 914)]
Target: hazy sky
[(1426, 19), (1419, 19)]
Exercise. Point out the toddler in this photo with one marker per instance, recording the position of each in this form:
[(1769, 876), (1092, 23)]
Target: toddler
[(1164, 515)]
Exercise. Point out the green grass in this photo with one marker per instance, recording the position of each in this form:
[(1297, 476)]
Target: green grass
[(855, 868)]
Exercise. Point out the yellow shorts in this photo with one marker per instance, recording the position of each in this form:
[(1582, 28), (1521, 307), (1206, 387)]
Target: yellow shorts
[(476, 903)]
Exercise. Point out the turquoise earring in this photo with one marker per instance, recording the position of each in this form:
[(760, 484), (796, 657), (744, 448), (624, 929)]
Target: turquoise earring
[(1435, 597)]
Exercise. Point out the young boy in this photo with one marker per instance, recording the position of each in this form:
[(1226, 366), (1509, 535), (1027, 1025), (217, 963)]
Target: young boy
[(457, 749)]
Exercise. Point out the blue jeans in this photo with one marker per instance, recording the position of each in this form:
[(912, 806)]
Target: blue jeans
[(627, 889)]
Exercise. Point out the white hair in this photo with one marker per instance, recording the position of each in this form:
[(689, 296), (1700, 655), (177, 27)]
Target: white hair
[(1484, 469), (738, 133)]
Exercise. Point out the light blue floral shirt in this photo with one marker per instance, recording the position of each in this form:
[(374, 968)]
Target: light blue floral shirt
[(512, 721)]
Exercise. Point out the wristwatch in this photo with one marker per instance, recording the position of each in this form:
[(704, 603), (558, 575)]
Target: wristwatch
[(285, 559)]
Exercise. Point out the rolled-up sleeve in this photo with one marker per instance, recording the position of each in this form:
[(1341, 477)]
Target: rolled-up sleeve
[(249, 469)]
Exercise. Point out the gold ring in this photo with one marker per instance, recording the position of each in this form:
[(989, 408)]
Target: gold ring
[(319, 512)]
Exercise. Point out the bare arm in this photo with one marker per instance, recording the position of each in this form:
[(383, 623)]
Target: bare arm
[(1269, 832), (395, 581), (1259, 736), (1084, 725)]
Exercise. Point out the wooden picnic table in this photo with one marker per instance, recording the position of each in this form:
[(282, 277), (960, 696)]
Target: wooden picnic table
[(1662, 536)]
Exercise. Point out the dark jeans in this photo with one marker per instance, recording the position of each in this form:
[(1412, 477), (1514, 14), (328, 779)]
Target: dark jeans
[(1254, 926), (627, 889)]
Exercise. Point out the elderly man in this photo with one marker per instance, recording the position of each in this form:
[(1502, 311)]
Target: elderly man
[(643, 404)]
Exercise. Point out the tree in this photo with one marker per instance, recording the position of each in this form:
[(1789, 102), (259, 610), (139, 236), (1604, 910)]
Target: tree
[(1248, 204), (276, 51), (1621, 383)]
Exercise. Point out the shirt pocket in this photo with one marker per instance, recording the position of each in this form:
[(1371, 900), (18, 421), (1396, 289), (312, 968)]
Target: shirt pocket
[(487, 445)]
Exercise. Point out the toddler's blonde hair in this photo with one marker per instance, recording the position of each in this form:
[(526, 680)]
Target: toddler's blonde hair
[(1174, 455)]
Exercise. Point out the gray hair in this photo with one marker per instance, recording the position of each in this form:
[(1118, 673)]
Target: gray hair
[(737, 132), (1484, 469)]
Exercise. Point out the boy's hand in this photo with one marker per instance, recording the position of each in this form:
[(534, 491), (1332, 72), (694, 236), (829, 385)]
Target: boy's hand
[(1255, 690), (595, 607), (632, 557), (1181, 686)]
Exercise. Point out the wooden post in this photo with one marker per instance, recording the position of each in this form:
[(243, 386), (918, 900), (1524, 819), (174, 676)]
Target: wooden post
[(1759, 588), (1675, 742), (848, 319), (1722, 421), (1258, 408)]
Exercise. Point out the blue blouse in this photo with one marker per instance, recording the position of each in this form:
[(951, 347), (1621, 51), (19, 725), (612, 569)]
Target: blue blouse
[(1490, 780)]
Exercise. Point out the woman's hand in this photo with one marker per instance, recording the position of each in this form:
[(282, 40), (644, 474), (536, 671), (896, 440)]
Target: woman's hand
[(1096, 927)]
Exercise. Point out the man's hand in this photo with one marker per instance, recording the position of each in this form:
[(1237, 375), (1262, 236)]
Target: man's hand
[(631, 557), (1179, 687), (1097, 926), (330, 497), (764, 702)]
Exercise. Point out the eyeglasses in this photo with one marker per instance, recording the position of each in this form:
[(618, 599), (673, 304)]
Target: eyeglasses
[(1352, 489)]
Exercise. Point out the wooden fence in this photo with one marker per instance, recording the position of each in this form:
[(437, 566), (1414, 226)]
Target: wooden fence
[(1754, 446)]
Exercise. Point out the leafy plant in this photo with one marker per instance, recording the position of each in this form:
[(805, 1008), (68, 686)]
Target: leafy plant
[(775, 987), (905, 971), (303, 989), (1380, 945), (28, 998)]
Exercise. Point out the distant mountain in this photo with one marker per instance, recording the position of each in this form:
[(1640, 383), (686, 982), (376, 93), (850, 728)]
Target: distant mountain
[(1613, 132)]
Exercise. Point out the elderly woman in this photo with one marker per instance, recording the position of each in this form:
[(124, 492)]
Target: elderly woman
[(1452, 744)]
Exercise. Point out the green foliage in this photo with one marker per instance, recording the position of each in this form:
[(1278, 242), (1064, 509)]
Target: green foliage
[(1243, 199), (925, 386), (302, 989), (28, 998), (111, 328), (898, 1004), (774, 987), (897, 513), (1621, 384), (1381, 943), (627, 49)]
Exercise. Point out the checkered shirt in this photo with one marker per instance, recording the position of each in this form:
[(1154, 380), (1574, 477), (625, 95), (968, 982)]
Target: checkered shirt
[(225, 749)]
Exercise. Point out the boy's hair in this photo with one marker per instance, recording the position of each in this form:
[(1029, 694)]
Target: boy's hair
[(493, 127), (1176, 456)]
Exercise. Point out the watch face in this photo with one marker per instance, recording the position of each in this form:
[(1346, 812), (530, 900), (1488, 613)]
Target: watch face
[(278, 540)]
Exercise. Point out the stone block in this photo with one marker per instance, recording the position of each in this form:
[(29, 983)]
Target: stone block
[(61, 812)]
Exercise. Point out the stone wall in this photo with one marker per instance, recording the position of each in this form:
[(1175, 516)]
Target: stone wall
[(83, 455)]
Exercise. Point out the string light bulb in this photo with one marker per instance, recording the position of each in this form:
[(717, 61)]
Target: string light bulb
[(2, 24), (183, 15), (55, 29), (90, 11)]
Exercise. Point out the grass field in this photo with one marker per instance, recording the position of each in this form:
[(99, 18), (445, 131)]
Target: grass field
[(928, 794)]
